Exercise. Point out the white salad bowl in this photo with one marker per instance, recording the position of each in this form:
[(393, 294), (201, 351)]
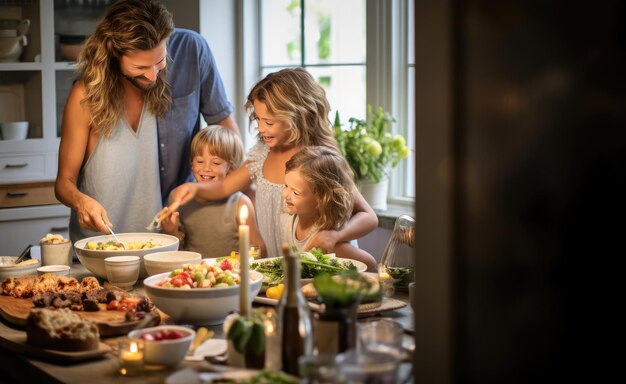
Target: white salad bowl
[(206, 306), (93, 260)]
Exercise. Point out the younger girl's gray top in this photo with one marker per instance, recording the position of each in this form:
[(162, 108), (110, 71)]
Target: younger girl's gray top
[(122, 174)]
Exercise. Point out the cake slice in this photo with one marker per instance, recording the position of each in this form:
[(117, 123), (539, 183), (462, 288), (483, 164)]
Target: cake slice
[(61, 329)]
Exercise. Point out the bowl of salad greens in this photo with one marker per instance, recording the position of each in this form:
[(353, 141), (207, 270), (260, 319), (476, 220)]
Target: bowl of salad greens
[(312, 263)]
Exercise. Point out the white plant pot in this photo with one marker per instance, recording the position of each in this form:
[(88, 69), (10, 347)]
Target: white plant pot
[(375, 193)]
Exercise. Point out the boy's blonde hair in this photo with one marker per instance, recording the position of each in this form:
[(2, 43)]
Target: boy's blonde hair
[(292, 96), (330, 178), (222, 142)]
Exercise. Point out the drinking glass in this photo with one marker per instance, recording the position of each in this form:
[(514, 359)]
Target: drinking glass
[(381, 335)]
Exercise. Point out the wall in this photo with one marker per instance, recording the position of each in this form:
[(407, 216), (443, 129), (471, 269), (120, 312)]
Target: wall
[(375, 242)]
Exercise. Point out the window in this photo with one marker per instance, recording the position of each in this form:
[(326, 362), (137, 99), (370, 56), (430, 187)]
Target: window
[(361, 51), (315, 34)]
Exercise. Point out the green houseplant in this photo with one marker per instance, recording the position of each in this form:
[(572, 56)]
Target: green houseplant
[(368, 145)]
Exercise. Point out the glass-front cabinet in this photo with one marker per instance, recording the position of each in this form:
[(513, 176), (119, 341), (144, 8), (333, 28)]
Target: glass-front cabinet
[(39, 42)]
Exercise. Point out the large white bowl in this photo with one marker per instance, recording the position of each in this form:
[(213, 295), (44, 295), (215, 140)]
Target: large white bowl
[(206, 306), (9, 269), (168, 352), (93, 260), (161, 262)]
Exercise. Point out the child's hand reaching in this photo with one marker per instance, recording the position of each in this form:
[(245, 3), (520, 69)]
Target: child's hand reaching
[(169, 224)]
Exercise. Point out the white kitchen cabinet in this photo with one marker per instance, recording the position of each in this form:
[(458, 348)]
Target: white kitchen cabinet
[(26, 89), (32, 89), (22, 226)]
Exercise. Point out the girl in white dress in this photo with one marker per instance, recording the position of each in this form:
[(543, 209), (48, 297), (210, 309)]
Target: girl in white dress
[(290, 110)]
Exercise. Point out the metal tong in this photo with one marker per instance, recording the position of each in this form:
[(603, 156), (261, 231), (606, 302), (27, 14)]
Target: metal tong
[(162, 215)]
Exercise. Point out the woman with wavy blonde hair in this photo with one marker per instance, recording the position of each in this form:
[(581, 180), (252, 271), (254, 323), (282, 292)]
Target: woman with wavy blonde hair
[(126, 29), (319, 195), (131, 115)]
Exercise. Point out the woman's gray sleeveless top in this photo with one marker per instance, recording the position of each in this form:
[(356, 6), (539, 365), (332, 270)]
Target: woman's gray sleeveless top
[(122, 174)]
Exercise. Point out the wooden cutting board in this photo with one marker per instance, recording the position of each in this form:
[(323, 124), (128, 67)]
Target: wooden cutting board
[(110, 323)]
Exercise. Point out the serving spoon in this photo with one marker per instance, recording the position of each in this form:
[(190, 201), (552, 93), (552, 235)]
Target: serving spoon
[(25, 252), (113, 233)]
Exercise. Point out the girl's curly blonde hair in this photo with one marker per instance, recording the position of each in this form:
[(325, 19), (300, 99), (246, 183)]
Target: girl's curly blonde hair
[(128, 26), (292, 96), (330, 178)]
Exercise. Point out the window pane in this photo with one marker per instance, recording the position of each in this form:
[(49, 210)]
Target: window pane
[(345, 90), (334, 31), (280, 32), (410, 107)]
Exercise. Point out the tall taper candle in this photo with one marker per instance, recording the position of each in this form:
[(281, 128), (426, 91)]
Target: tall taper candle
[(244, 263)]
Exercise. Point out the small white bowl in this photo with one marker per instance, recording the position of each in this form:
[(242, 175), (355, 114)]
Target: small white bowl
[(14, 130), (9, 269), (161, 262), (167, 352), (58, 270), (122, 271)]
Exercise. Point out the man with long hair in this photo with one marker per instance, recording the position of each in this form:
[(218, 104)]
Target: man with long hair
[(130, 117)]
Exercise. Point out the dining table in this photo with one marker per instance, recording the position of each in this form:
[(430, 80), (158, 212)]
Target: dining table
[(20, 367)]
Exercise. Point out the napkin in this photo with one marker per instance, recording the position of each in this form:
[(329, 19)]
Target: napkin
[(211, 347)]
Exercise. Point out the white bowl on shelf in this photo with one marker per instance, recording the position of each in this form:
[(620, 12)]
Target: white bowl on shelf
[(14, 130)]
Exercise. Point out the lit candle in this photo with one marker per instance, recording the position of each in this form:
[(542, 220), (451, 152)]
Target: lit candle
[(244, 264), (131, 358)]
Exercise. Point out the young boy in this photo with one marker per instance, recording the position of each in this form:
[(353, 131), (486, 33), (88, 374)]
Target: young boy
[(211, 227)]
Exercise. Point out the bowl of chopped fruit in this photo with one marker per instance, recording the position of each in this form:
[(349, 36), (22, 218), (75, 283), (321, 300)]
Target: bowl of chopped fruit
[(165, 345), (202, 293), (92, 251)]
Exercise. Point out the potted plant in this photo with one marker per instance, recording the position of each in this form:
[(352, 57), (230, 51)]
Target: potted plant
[(372, 151)]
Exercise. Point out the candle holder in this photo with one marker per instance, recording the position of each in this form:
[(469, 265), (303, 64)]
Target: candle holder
[(130, 356)]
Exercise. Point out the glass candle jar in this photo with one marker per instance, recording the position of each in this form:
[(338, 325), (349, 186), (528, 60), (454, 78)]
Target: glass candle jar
[(130, 356)]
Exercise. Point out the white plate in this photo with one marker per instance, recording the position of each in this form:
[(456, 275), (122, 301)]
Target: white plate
[(211, 347), (361, 267)]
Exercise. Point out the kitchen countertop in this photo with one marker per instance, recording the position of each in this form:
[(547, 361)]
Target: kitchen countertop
[(18, 368)]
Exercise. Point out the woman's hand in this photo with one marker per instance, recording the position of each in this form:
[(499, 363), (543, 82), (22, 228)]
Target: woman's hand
[(91, 215), (325, 240)]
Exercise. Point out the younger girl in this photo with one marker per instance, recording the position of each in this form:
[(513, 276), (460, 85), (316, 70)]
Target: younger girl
[(291, 112), (319, 194), (211, 227)]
